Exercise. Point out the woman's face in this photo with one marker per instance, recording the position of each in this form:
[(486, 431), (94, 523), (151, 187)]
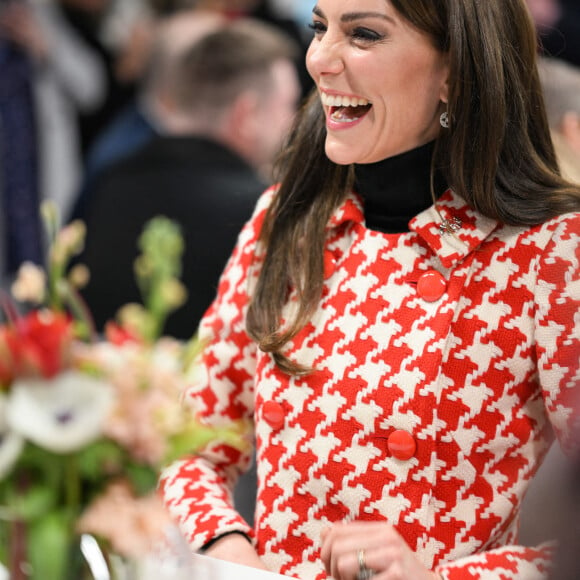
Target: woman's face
[(382, 83)]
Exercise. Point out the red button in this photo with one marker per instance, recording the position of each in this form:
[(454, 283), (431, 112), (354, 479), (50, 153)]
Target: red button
[(401, 444), (329, 263), (273, 414), (431, 286)]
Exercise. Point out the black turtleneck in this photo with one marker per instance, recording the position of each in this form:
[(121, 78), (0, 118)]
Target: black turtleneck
[(397, 189)]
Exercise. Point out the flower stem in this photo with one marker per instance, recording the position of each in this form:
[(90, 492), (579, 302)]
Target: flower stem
[(18, 550), (72, 490)]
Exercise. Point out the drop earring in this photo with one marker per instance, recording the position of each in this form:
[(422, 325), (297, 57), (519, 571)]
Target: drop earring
[(444, 120)]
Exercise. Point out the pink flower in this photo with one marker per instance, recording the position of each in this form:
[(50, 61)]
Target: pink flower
[(132, 525), (119, 335), (148, 384), (30, 283)]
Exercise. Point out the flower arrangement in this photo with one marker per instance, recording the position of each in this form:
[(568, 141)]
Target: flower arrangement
[(87, 422)]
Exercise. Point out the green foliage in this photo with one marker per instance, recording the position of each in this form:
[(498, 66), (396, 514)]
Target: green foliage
[(144, 426), (49, 545), (157, 272)]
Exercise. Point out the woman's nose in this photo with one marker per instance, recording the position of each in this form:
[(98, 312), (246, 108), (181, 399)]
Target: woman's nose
[(324, 56)]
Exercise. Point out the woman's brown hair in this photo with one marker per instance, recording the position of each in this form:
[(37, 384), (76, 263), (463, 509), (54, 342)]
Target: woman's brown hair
[(497, 155)]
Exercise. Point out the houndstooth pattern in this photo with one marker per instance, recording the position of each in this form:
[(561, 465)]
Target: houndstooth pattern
[(481, 378)]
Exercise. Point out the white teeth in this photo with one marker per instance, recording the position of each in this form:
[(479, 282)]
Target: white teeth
[(339, 101), (339, 117)]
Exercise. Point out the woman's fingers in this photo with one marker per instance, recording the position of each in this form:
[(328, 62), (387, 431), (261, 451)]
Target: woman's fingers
[(350, 550)]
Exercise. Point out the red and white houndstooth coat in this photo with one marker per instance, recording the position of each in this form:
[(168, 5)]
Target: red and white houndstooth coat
[(445, 362)]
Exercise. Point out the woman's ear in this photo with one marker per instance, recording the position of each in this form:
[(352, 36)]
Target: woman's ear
[(444, 90)]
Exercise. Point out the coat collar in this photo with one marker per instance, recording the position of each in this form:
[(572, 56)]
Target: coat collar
[(450, 227)]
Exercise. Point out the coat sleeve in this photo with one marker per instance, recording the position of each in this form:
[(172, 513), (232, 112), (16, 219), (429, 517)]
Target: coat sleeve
[(558, 331), (557, 343), (197, 490)]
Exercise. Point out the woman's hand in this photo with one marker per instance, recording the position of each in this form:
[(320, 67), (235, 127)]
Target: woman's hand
[(235, 548), (346, 547)]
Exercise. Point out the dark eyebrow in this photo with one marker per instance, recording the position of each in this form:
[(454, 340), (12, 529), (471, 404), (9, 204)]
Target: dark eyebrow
[(352, 16)]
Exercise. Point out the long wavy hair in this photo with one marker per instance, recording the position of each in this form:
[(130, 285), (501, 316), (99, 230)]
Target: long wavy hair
[(497, 155)]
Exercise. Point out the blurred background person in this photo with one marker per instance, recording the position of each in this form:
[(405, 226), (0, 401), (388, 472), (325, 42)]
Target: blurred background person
[(235, 92), (561, 84), (120, 33), (144, 115), (558, 25), (166, 7), (288, 21), (47, 75), (298, 10), (271, 12)]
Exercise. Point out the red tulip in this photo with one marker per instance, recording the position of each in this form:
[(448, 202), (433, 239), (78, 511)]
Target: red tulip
[(41, 345)]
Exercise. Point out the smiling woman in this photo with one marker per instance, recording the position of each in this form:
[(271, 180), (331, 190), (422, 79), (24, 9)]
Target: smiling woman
[(388, 318), (375, 58)]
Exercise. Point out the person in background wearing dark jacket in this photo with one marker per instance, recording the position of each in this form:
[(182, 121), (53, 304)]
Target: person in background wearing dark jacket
[(235, 94), (48, 75), (143, 118)]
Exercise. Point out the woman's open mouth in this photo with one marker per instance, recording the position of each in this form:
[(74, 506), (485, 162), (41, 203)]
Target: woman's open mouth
[(344, 109)]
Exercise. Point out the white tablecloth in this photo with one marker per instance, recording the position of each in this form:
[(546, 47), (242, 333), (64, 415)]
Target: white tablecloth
[(206, 568), (195, 567)]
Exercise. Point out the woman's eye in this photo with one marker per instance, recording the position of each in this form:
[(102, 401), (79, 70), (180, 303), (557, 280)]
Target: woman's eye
[(366, 34), (360, 34), (317, 27)]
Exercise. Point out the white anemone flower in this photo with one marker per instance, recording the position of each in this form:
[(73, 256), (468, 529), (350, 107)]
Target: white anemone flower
[(11, 443), (62, 414)]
